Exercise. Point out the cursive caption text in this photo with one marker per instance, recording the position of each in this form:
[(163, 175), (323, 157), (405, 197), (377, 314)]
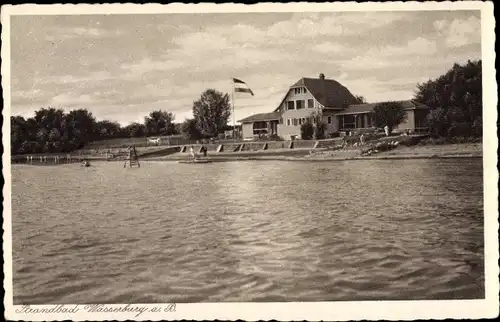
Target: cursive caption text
[(135, 309)]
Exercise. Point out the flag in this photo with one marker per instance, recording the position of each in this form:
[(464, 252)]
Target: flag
[(241, 86)]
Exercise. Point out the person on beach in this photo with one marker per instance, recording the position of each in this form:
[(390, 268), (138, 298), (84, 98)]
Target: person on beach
[(386, 130), (362, 139), (344, 143), (191, 151)]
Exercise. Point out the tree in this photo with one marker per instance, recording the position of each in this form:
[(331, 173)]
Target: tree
[(361, 99), (211, 112), (49, 118), (18, 133), (134, 130), (107, 129), (389, 114), (53, 143), (159, 123), (80, 127), (437, 122), (455, 99), (189, 130), (24, 135), (177, 128), (319, 130), (319, 125), (306, 130)]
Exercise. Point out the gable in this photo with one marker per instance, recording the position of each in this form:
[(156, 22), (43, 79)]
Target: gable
[(328, 93), (295, 94)]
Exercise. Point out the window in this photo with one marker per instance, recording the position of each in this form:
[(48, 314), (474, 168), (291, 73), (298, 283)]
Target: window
[(300, 90), (329, 120), (288, 122), (347, 121), (291, 105), (281, 120), (310, 103), (300, 121), (259, 128), (295, 122), (300, 104)]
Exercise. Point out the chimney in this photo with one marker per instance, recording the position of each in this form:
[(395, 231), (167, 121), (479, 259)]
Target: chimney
[(321, 76)]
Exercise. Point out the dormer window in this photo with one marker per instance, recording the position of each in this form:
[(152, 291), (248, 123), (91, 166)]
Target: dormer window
[(300, 90)]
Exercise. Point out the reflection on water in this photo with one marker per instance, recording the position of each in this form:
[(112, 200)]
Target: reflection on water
[(248, 231)]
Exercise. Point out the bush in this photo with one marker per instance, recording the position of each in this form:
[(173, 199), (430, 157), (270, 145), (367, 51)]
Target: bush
[(319, 133), (408, 141), (477, 127), (306, 131), (459, 139), (459, 130), (434, 141)]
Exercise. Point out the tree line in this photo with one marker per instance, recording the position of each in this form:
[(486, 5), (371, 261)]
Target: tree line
[(455, 100), (53, 130)]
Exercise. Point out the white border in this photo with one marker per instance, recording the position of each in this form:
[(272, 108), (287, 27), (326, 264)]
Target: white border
[(341, 311)]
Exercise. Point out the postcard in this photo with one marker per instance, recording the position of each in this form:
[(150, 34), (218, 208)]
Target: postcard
[(275, 161)]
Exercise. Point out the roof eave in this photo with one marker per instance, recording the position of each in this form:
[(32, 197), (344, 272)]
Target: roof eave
[(351, 113)]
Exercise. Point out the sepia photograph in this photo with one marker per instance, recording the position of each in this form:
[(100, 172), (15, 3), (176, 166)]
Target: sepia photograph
[(161, 157)]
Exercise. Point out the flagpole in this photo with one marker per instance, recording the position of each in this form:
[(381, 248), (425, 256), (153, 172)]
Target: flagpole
[(234, 117)]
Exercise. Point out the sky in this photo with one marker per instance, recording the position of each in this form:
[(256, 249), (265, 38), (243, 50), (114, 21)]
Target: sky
[(121, 67)]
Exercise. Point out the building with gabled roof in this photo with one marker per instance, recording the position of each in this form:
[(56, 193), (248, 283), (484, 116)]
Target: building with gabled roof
[(328, 93), (310, 99)]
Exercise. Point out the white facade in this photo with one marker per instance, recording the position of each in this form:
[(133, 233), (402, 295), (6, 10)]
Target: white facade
[(297, 107)]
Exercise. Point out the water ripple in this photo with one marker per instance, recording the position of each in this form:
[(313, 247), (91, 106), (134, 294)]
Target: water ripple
[(374, 230)]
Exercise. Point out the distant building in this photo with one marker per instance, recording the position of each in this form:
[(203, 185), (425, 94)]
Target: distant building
[(324, 99)]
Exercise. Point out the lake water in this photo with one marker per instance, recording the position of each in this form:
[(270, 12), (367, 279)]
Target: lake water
[(248, 231)]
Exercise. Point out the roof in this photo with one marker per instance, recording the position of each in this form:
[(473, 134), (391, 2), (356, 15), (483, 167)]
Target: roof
[(261, 117), (367, 108), (327, 92)]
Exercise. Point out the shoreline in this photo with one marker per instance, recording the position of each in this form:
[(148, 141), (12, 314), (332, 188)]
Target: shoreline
[(452, 151), (449, 151), (324, 159)]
